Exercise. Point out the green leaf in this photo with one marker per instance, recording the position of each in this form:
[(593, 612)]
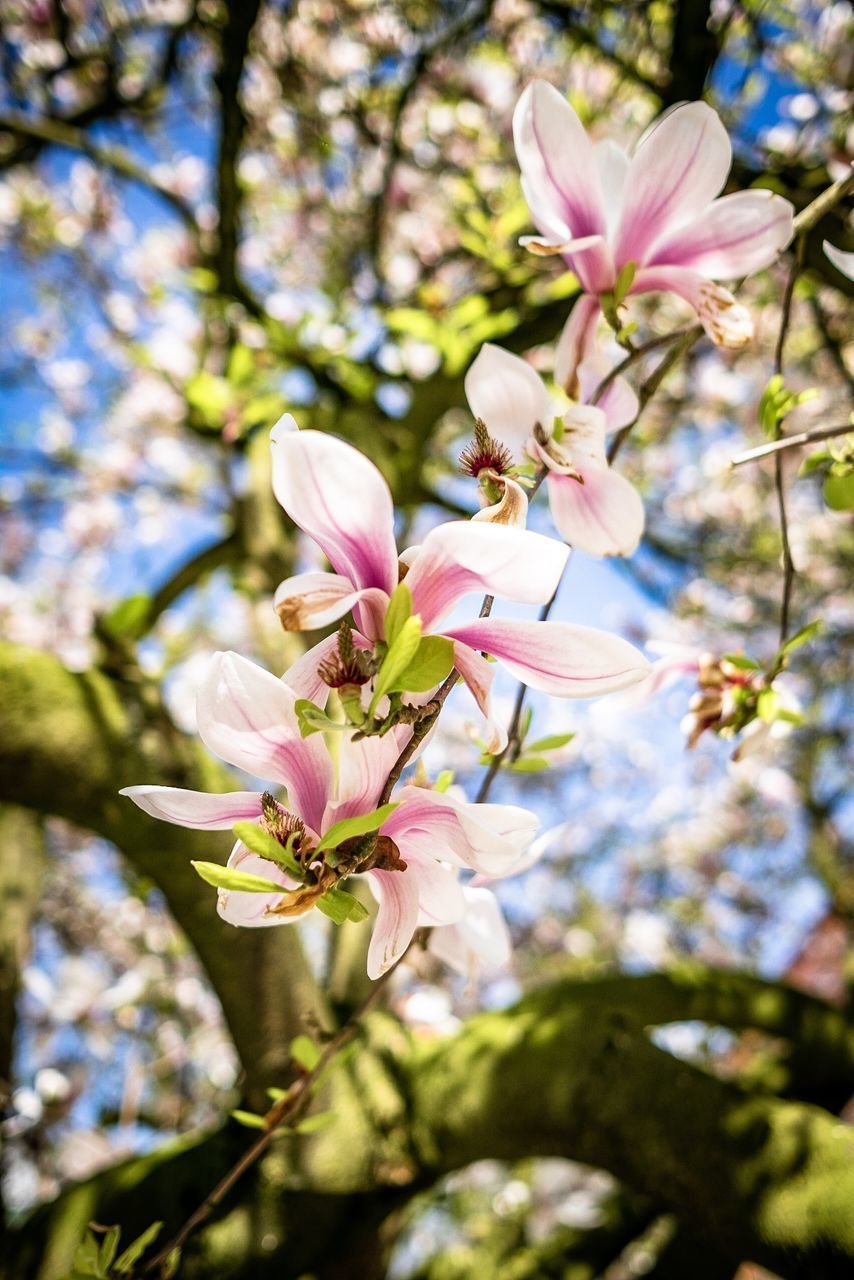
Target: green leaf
[(259, 841), (814, 461), (530, 764), (805, 634), (741, 661), (444, 780), (348, 828), (241, 365), (398, 658), (109, 1245), (551, 743), (312, 720), (127, 620), (276, 1095), (227, 878), (304, 1052), (625, 279), (340, 906), (210, 396), (399, 609), (316, 1124), (839, 492), (203, 279), (767, 705), (86, 1256), (248, 1119), (433, 661), (132, 1254)]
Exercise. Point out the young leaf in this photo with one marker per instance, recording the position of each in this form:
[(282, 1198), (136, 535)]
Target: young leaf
[(444, 780), (316, 1124), (529, 764), (399, 610), (227, 878), (767, 705), (312, 720), (132, 1254), (304, 1052), (348, 828), (398, 658), (551, 743), (801, 637), (107, 1252), (624, 282), (839, 491), (741, 661), (340, 905), (248, 1119), (266, 846), (432, 661)]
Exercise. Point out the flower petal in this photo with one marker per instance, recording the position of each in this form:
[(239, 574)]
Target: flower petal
[(198, 809), (363, 766), (489, 838), (511, 508), (560, 658), (576, 343), (397, 895), (844, 262), (603, 516), (338, 497), (678, 168), (249, 910), (618, 401), (246, 717), (508, 395), (735, 235), (726, 321), (480, 938), (440, 894), (310, 601), (560, 176), (478, 675), (303, 676), (463, 556), (612, 165)]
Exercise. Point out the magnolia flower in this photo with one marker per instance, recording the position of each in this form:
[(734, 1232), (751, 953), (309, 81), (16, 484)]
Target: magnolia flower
[(336, 496), (479, 939), (844, 262), (246, 717), (653, 217), (593, 506)]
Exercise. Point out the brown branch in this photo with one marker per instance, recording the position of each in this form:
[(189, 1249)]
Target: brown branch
[(779, 486), (791, 442), (234, 48), (823, 203)]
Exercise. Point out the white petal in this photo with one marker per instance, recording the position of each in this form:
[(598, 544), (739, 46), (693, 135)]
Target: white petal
[(509, 396), (576, 343), (198, 809), (249, 910), (480, 939), (557, 163), (397, 918), (844, 262), (618, 401), (310, 601), (246, 717), (732, 237), (488, 838), (603, 516), (560, 658)]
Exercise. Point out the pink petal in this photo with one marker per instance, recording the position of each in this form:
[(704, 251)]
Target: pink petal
[(612, 165), (509, 396), (464, 556), (576, 343), (559, 172), (678, 168), (478, 675), (246, 717), (198, 809), (604, 516), (593, 262), (335, 495), (397, 895), (480, 938), (363, 767), (732, 237), (489, 838), (726, 321), (440, 894), (844, 262), (618, 401), (303, 676), (560, 658), (248, 910), (310, 601)]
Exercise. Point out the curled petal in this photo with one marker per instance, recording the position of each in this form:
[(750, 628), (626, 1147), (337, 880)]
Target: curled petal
[(576, 343), (735, 235), (618, 401), (560, 658), (508, 395), (602, 515), (251, 910), (310, 601), (726, 321), (560, 177), (480, 939), (678, 168), (512, 506), (197, 809), (464, 556), (844, 262), (335, 495), (303, 676), (488, 838), (397, 895), (246, 717), (440, 894), (478, 675)]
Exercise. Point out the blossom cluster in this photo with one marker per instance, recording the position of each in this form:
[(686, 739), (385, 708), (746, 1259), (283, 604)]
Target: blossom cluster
[(337, 731)]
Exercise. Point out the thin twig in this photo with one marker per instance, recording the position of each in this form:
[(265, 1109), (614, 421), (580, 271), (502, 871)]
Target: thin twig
[(823, 203), (788, 562), (791, 442), (663, 340)]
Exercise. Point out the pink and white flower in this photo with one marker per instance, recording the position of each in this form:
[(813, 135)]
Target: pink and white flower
[(480, 938), (246, 716), (336, 496), (594, 507), (659, 210)]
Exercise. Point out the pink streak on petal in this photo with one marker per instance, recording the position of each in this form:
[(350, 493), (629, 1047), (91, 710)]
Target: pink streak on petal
[(397, 918), (576, 343), (604, 516), (560, 658), (732, 237), (197, 809), (678, 168), (488, 838), (593, 262), (461, 557), (363, 767), (338, 497), (478, 675), (246, 717), (556, 158)]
